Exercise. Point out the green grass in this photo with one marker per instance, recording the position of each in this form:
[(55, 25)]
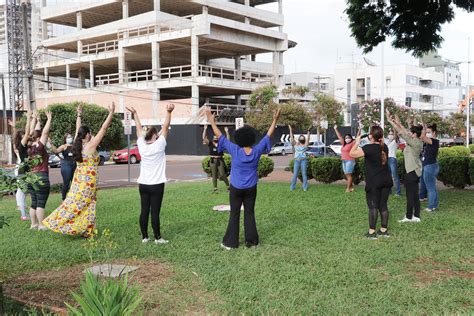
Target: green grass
[(312, 257)]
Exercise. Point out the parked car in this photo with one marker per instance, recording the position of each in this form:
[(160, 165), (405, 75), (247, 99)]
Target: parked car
[(281, 149), (121, 156), (318, 151), (316, 144), (336, 146), (104, 156), (54, 160)]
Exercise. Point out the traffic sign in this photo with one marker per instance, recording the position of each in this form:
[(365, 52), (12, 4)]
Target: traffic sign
[(239, 122)]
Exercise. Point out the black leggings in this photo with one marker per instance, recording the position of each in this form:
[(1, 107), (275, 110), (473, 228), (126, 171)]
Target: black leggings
[(237, 197), (40, 193), (377, 202), (413, 197), (67, 171), (151, 197)]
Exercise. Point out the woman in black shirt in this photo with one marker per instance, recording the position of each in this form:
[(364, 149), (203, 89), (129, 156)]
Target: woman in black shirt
[(430, 171), (217, 159), (68, 163), (378, 179)]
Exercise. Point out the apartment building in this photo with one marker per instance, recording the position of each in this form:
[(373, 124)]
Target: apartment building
[(315, 82), (147, 53)]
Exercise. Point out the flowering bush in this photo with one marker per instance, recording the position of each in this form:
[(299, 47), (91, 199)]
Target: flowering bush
[(369, 113)]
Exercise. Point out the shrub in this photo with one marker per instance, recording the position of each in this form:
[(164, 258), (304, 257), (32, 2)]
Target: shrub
[(471, 148), (454, 171), (265, 165), (56, 188), (471, 171), (105, 297), (327, 169), (455, 151)]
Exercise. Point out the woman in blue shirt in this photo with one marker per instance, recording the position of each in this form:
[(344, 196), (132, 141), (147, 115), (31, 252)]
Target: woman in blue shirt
[(243, 178)]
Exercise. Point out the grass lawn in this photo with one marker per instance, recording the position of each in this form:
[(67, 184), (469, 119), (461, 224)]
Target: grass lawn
[(312, 258)]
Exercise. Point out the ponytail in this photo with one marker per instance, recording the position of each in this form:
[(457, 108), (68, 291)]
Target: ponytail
[(383, 155), (377, 135), (77, 145)]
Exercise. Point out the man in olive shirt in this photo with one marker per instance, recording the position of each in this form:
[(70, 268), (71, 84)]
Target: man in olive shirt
[(413, 166)]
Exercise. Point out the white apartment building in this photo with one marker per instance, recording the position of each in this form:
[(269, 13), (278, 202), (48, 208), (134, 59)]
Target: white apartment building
[(450, 69), (419, 88), (148, 53), (315, 82)]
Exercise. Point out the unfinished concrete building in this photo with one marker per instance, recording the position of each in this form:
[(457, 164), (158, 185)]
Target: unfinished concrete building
[(147, 53)]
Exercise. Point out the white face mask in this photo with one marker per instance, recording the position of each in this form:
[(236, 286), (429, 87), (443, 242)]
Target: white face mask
[(429, 135), (69, 140), (390, 137), (347, 140)]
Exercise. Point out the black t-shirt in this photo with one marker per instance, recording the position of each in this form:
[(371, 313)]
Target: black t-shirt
[(430, 152), (376, 175), (23, 153), (67, 154), (213, 150)]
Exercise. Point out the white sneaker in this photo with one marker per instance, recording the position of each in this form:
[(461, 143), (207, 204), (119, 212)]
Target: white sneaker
[(225, 247), (423, 199), (161, 241), (405, 220), (416, 219), (429, 210), (145, 240)]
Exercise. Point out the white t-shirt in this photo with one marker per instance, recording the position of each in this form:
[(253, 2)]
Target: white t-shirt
[(153, 163), (392, 148)]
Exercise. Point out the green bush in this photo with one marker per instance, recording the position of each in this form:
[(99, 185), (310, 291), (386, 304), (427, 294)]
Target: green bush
[(454, 171), (105, 297), (471, 171), (56, 188), (265, 165), (455, 151), (471, 148), (327, 169)]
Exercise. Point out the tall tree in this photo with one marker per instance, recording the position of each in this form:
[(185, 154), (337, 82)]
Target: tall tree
[(414, 25)]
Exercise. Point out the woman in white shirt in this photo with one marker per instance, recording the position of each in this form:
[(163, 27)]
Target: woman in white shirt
[(152, 174), (392, 144)]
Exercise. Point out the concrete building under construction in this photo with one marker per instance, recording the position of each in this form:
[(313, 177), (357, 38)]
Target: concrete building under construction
[(147, 53)]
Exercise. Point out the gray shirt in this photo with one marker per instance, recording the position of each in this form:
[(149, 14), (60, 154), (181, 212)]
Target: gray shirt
[(412, 154)]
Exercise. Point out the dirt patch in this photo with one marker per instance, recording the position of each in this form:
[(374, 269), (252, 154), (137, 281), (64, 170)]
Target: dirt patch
[(428, 271), (163, 290)]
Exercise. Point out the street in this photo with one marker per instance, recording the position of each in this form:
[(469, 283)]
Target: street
[(178, 169)]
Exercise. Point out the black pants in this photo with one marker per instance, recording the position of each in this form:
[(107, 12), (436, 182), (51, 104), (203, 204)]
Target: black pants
[(40, 193), (377, 199), (151, 197), (237, 197), (67, 172), (413, 196)]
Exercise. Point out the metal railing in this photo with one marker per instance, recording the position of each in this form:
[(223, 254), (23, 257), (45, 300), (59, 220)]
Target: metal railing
[(219, 108), (155, 28), (100, 47)]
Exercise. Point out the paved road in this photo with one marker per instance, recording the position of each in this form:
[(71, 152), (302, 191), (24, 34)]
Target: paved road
[(178, 169)]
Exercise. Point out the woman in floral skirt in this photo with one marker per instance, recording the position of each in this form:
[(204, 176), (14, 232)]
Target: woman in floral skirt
[(76, 215)]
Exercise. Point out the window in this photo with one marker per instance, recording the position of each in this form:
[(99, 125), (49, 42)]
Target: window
[(413, 80), (388, 82)]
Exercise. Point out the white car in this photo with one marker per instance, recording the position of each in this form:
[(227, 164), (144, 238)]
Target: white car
[(336, 146), (281, 149)]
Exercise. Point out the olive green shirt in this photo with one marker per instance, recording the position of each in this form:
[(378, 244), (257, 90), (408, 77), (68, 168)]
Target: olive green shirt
[(412, 154)]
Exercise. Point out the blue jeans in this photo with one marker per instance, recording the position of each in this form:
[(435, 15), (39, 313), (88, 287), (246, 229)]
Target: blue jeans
[(303, 165), (392, 163), (428, 185), (67, 171)]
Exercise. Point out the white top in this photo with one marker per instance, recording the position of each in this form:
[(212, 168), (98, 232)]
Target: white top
[(153, 163), (392, 148)]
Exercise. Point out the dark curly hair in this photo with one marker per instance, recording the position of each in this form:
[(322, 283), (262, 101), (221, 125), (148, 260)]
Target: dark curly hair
[(417, 129), (245, 136)]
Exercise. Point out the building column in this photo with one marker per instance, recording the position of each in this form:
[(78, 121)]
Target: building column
[(43, 3), (155, 60), (121, 65), (46, 79), (247, 3), (91, 74), (238, 68), (238, 99), (280, 6), (157, 5), (79, 21), (194, 99), (195, 56), (124, 9), (155, 101), (205, 9), (276, 68), (82, 78), (79, 48), (68, 76)]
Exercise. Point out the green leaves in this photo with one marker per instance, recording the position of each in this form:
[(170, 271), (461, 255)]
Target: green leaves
[(265, 165)]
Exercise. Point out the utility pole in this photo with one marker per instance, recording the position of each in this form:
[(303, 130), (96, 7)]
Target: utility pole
[(319, 84), (382, 90), (27, 58), (5, 121), (468, 105)]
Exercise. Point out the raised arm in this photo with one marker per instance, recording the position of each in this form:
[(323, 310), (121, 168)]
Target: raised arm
[(34, 122), (307, 137), (92, 145), (78, 119), (205, 140), (292, 137), (24, 140), (57, 150), (211, 119), (276, 115), (357, 152), (166, 124), (339, 136), (226, 130), (136, 118), (423, 136), (47, 126)]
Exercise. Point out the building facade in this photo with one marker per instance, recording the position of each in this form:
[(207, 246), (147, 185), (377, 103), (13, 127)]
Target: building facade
[(315, 82), (147, 53)]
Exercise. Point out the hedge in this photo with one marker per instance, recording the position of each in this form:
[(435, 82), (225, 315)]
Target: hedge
[(265, 165), (471, 171), (455, 151), (327, 169), (455, 171), (471, 148)]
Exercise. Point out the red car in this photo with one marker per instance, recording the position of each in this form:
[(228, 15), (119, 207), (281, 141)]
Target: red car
[(121, 156)]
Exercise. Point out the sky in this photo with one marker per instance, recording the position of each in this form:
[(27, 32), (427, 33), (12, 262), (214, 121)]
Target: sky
[(320, 27)]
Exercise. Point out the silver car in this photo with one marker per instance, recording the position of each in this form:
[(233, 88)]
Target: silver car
[(281, 149)]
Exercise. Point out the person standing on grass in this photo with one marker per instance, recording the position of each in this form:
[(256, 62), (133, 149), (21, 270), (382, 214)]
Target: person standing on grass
[(68, 164), (378, 180), (216, 162), (152, 177), (300, 158), (413, 169), (430, 167), (76, 215), (243, 178), (392, 144), (348, 163)]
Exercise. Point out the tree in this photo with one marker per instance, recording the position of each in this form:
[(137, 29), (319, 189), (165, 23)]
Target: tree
[(456, 124), (326, 108), (414, 25), (64, 121)]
